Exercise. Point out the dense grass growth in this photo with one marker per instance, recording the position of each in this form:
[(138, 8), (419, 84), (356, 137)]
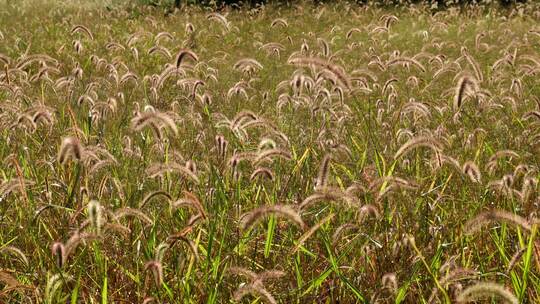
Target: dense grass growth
[(311, 154)]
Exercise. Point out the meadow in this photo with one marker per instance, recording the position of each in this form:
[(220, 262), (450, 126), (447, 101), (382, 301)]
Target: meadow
[(331, 153)]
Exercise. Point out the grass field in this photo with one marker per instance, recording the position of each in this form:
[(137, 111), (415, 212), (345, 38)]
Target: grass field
[(303, 154)]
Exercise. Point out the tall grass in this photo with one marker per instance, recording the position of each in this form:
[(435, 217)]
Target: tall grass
[(332, 153)]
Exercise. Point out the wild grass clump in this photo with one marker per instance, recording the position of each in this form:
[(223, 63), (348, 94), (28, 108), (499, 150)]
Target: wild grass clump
[(305, 153)]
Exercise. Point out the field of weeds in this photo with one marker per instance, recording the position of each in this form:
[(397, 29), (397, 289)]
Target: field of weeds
[(282, 154)]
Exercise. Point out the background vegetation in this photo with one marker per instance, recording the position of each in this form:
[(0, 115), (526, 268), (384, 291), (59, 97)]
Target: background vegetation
[(292, 154)]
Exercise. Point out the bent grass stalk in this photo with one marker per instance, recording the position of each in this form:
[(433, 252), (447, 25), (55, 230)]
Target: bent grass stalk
[(437, 283)]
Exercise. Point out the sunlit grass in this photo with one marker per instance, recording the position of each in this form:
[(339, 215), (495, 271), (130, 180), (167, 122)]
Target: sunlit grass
[(279, 154)]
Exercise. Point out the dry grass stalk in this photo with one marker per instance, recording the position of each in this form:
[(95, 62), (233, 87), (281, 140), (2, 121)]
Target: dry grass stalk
[(337, 71), (486, 289), (416, 142), (252, 217), (70, 148), (322, 177), (484, 218), (311, 231), (466, 85)]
